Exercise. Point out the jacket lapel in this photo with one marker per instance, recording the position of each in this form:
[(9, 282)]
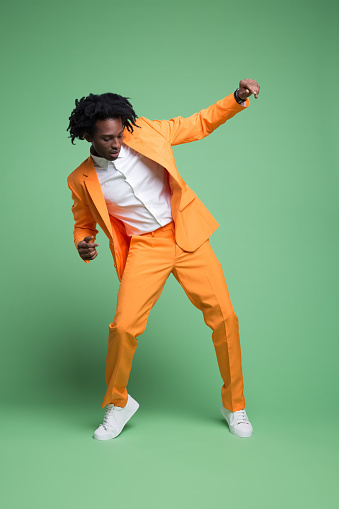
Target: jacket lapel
[(94, 190), (151, 144)]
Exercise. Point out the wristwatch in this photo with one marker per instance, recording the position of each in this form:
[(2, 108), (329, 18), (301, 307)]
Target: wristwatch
[(238, 99)]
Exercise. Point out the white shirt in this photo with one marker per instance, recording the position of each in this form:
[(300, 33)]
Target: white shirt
[(136, 190)]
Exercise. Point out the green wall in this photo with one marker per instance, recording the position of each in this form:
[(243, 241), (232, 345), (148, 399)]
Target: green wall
[(269, 176)]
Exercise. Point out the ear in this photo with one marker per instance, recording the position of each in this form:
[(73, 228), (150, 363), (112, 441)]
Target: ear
[(88, 137)]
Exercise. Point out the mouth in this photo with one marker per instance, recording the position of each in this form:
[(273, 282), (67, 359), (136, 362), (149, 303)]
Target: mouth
[(114, 154)]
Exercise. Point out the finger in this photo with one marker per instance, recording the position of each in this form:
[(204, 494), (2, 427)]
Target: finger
[(254, 87), (252, 90), (85, 247), (86, 250), (243, 92)]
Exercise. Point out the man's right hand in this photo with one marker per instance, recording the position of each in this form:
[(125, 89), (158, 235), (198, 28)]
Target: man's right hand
[(86, 249)]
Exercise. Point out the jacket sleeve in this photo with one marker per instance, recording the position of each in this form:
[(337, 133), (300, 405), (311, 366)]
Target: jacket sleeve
[(184, 130), (84, 222)]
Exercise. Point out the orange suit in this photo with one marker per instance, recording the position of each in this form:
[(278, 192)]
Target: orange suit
[(183, 246)]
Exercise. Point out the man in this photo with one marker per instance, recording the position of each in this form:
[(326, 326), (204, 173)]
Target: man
[(156, 225)]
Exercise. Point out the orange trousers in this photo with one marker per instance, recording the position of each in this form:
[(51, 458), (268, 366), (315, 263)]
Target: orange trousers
[(152, 258)]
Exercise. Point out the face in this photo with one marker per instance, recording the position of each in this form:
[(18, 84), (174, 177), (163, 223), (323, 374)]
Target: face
[(106, 138)]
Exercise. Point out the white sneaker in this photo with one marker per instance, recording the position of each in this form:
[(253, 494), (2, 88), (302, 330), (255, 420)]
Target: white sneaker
[(115, 419), (238, 422)]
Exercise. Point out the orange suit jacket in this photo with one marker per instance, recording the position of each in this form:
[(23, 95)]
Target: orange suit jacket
[(194, 224)]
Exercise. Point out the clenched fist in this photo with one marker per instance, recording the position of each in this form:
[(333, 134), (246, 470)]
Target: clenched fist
[(247, 88), (87, 249)]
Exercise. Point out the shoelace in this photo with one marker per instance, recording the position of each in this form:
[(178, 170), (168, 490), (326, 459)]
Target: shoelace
[(108, 412), (241, 416)]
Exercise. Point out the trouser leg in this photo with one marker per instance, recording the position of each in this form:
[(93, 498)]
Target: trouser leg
[(149, 264), (201, 276)]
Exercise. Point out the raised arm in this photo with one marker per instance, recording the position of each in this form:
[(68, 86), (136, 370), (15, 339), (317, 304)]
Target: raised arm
[(184, 130)]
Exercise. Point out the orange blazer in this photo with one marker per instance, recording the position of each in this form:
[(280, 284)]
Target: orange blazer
[(194, 224)]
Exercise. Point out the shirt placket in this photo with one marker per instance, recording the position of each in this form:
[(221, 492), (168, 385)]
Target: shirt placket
[(135, 186)]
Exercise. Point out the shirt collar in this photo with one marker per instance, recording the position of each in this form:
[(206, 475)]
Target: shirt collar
[(104, 163)]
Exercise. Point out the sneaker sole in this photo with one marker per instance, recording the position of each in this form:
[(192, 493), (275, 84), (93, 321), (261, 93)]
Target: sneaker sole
[(240, 435), (109, 436)]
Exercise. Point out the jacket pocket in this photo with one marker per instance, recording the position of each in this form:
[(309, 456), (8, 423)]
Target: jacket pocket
[(187, 197)]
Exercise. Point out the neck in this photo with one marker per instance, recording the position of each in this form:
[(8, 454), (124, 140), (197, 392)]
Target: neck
[(93, 152)]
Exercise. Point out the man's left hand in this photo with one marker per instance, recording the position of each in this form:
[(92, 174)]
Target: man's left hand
[(247, 88)]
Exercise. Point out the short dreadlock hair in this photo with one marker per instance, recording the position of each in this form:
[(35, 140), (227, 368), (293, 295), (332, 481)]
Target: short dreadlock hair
[(99, 107)]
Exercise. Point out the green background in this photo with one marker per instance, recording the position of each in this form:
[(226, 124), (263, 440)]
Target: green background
[(270, 178)]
